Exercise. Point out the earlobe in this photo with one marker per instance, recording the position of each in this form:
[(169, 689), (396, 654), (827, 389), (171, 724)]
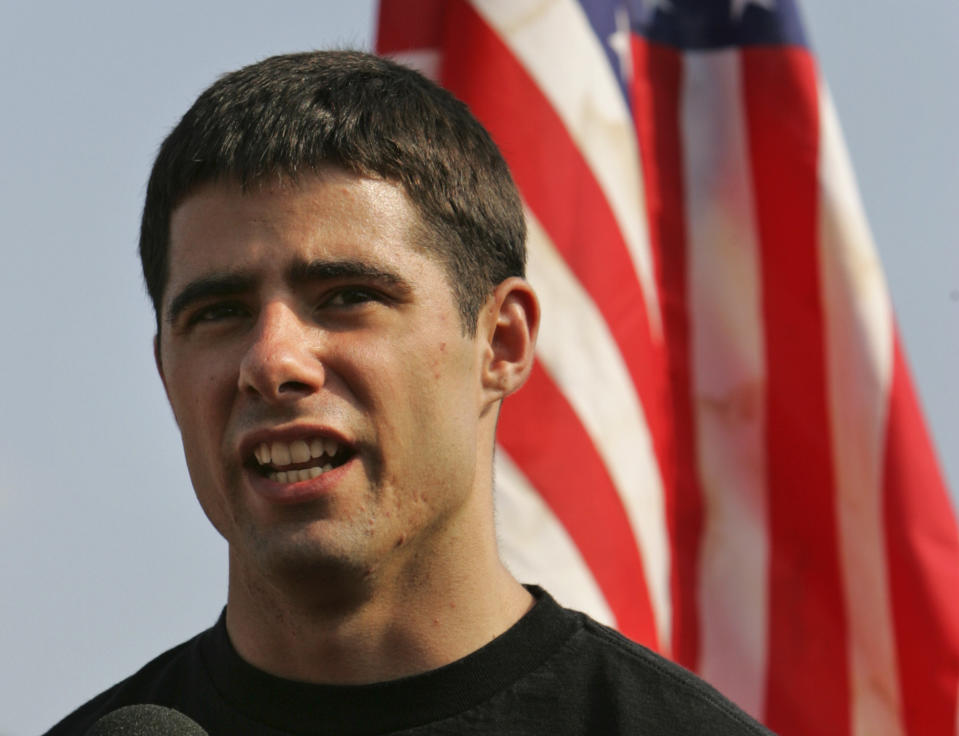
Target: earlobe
[(511, 333)]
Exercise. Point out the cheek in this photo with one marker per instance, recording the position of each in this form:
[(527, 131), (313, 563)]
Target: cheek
[(397, 378), (441, 403), (197, 406), (201, 435), (200, 404)]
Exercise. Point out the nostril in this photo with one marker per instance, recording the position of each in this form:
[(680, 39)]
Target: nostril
[(293, 387), (280, 361)]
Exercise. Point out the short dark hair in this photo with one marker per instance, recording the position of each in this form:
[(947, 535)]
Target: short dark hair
[(294, 114)]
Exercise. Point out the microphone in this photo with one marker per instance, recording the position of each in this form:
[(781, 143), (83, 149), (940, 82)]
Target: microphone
[(145, 720)]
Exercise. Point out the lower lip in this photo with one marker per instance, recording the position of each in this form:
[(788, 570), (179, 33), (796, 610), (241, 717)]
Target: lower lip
[(302, 491)]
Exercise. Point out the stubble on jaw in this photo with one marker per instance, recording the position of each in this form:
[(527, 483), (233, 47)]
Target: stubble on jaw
[(330, 552), (324, 540)]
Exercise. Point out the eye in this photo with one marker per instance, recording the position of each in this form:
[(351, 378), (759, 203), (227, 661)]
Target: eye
[(349, 296), (218, 313)]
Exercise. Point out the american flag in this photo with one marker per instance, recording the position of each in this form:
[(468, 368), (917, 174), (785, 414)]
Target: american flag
[(719, 451)]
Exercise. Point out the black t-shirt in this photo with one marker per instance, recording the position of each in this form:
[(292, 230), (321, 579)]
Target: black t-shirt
[(555, 672)]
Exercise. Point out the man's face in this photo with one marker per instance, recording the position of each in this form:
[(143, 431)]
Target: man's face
[(329, 403)]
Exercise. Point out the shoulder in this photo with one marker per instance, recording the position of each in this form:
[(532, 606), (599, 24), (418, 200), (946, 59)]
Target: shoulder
[(161, 681), (628, 686)]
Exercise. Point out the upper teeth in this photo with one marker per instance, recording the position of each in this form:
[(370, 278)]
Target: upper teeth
[(280, 454)]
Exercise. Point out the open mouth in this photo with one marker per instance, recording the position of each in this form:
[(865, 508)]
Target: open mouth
[(292, 462)]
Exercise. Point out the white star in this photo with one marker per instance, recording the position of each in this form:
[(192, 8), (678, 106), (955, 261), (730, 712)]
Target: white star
[(619, 41), (738, 7)]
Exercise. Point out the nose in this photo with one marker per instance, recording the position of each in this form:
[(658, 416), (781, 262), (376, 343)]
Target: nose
[(280, 363)]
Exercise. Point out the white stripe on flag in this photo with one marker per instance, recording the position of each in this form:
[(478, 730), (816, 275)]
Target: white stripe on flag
[(555, 43), (728, 377), (536, 547), (859, 362), (578, 351)]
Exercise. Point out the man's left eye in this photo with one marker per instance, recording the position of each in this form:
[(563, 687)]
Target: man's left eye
[(350, 296)]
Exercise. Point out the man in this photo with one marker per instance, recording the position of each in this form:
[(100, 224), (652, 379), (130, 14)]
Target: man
[(335, 253)]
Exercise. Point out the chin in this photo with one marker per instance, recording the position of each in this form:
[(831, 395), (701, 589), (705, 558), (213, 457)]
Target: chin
[(312, 554)]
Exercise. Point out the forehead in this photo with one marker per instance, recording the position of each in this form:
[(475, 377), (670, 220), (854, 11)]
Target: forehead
[(332, 215), (328, 206)]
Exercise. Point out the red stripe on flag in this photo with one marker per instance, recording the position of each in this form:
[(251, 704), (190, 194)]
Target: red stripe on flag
[(559, 187), (923, 558), (409, 25), (544, 437), (655, 93), (807, 630)]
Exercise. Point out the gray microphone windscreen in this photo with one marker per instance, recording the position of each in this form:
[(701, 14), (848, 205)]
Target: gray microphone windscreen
[(145, 720)]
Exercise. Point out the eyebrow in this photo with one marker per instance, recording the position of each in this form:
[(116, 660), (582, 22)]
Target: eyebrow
[(300, 272), (225, 284)]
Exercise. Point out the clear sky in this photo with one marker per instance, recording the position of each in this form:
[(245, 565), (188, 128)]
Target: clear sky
[(105, 558)]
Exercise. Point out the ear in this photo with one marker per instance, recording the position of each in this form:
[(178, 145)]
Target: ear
[(157, 360), (510, 329), (159, 364)]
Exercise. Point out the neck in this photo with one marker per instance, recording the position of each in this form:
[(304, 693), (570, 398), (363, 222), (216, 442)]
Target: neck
[(372, 628)]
